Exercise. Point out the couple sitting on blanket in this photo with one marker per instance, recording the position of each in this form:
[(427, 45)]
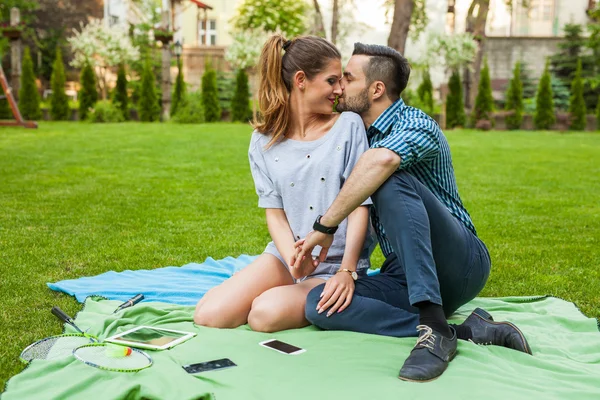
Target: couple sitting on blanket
[(329, 179)]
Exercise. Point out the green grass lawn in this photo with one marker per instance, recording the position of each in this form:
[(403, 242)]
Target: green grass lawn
[(80, 199)]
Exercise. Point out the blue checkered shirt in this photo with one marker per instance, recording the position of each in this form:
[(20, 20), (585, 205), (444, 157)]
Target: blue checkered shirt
[(424, 153)]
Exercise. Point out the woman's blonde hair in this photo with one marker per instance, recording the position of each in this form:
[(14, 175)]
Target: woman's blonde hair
[(309, 54)]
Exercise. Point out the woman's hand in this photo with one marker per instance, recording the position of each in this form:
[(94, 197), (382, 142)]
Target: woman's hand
[(337, 294), (305, 266)]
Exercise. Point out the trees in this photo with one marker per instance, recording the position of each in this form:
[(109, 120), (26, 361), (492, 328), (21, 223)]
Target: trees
[(88, 95), (577, 110), (29, 97), (179, 92), (121, 98), (455, 109), (210, 95), (403, 10), (148, 107), (103, 47), (425, 93), (240, 104), (484, 102), (514, 99), (544, 116), (59, 103), (286, 16)]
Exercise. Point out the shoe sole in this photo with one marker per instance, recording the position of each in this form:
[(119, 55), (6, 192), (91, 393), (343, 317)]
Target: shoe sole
[(428, 380), (488, 318)]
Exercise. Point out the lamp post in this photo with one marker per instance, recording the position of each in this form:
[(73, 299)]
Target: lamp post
[(177, 49)]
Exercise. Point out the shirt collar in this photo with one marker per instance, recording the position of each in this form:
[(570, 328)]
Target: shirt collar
[(387, 118)]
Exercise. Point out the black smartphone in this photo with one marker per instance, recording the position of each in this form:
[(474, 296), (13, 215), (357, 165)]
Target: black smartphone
[(282, 347), (209, 366)]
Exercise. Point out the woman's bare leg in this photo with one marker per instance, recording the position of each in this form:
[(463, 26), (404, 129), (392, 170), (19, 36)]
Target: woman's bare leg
[(228, 305), (281, 307)]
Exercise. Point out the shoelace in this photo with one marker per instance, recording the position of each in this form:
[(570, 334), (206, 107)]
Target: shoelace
[(427, 339)]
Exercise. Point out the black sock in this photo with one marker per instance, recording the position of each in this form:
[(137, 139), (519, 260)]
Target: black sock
[(432, 315), (463, 332)]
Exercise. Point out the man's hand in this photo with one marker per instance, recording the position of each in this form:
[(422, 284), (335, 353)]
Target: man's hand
[(304, 248), (337, 294)]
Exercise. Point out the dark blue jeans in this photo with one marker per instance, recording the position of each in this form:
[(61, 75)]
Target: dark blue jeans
[(436, 258)]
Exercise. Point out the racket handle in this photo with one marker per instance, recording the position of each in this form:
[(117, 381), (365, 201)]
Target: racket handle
[(60, 314)]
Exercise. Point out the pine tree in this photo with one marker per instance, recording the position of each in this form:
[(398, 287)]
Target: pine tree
[(455, 109), (149, 109), (29, 97), (484, 102), (179, 92), (544, 116), (240, 103), (598, 115), (210, 96), (59, 104), (5, 111), (120, 97), (88, 95), (514, 99), (577, 110), (425, 92)]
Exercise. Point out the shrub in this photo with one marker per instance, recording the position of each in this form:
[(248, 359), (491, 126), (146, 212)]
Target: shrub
[(240, 104), (425, 93), (29, 97), (210, 97), (5, 111), (190, 111), (544, 116), (120, 97), (598, 115), (149, 109), (59, 103), (514, 100), (226, 88), (577, 110), (179, 92), (455, 109), (105, 111), (88, 95), (484, 102)]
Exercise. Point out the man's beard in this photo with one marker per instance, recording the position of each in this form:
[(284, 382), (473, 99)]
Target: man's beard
[(358, 104)]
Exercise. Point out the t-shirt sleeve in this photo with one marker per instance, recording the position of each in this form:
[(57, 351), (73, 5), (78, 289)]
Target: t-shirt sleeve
[(358, 144), (414, 141), (268, 197)]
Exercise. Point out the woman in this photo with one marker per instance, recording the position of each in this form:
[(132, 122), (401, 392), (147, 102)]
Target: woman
[(300, 154)]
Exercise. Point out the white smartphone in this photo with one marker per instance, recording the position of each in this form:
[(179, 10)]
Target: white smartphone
[(282, 347)]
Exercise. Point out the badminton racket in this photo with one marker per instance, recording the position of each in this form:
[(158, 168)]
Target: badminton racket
[(110, 357), (58, 346)]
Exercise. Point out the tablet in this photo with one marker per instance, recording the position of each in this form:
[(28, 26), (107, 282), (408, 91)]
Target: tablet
[(148, 337)]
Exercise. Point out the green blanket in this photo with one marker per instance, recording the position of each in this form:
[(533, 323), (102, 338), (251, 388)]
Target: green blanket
[(336, 365)]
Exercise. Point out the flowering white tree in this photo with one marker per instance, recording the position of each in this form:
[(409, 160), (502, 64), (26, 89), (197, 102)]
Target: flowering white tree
[(103, 48), (453, 51), (245, 50)]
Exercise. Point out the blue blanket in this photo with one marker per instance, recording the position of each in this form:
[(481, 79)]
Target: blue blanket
[(178, 285)]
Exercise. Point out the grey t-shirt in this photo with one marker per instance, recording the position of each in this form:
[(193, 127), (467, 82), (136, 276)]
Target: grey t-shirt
[(304, 178)]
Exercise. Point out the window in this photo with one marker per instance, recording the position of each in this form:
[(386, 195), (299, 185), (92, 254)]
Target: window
[(207, 37), (541, 10)]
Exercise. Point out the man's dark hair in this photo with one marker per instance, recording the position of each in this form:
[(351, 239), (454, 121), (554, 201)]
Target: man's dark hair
[(386, 65)]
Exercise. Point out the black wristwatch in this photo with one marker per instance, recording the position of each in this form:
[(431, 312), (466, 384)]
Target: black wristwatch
[(322, 228)]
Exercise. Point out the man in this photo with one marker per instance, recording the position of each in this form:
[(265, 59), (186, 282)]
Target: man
[(435, 262)]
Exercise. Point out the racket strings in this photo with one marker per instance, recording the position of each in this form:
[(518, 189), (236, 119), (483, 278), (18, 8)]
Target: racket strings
[(100, 356), (54, 347)]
